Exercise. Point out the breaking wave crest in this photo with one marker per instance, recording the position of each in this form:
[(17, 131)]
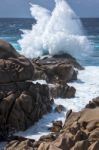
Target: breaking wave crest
[(59, 31)]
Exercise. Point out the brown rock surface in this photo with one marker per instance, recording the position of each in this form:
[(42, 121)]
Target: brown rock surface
[(20, 143), (80, 132), (22, 103), (76, 135), (62, 90), (23, 107), (56, 126), (56, 69), (59, 108), (13, 67)]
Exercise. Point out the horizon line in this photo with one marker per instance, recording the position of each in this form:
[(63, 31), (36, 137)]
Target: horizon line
[(34, 18)]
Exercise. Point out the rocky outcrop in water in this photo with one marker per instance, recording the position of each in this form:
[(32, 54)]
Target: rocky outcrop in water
[(79, 132), (56, 69), (61, 90)]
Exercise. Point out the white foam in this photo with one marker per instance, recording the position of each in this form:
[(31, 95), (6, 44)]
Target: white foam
[(40, 81), (87, 88), (55, 32)]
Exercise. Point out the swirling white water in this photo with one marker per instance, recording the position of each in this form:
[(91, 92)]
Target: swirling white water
[(87, 88), (55, 32)]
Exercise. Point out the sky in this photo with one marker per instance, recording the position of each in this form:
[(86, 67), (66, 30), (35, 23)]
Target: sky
[(20, 8)]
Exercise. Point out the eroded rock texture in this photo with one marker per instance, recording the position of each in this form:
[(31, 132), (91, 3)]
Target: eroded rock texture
[(21, 102), (56, 69), (13, 66), (80, 132), (61, 90)]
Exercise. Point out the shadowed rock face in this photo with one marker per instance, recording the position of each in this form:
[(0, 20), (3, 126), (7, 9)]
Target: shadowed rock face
[(80, 132), (56, 69), (22, 103), (13, 67), (7, 50), (21, 108), (62, 90)]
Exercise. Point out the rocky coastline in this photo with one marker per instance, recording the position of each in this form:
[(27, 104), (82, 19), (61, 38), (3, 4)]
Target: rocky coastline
[(79, 132), (22, 102)]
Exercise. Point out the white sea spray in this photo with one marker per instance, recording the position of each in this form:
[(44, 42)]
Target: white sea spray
[(59, 31)]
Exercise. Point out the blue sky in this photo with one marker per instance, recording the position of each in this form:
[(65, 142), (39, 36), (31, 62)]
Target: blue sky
[(20, 8)]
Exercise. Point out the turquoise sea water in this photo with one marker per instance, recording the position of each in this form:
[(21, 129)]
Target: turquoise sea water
[(10, 29)]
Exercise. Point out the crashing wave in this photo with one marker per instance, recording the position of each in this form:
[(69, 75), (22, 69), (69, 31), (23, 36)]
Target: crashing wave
[(54, 33)]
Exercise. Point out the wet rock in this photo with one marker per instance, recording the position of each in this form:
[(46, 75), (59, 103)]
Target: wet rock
[(68, 113), (92, 125), (69, 59), (94, 135), (56, 127), (94, 146), (81, 145), (13, 66), (59, 108), (96, 101), (20, 143), (52, 101), (64, 141), (74, 129), (80, 135), (91, 105), (30, 106), (56, 69), (7, 50), (70, 92), (57, 123), (62, 90), (46, 146), (47, 138), (22, 103), (44, 138), (24, 106), (75, 133)]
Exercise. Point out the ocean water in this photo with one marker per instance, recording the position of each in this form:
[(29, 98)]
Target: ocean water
[(11, 31), (57, 31), (28, 38)]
